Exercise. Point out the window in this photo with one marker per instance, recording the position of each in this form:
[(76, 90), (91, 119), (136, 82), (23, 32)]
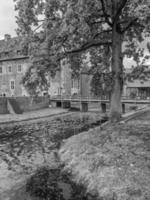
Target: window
[(6, 53), (18, 52), (19, 68), (78, 83), (12, 85), (1, 70), (73, 83), (9, 69)]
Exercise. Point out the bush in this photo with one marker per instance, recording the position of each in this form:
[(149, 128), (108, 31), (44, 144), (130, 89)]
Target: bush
[(53, 184), (134, 107), (43, 184)]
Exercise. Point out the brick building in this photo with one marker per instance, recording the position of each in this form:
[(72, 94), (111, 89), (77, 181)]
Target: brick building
[(13, 65), (138, 87)]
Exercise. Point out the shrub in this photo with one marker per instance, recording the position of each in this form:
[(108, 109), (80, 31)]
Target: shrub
[(134, 107), (43, 184), (53, 184)]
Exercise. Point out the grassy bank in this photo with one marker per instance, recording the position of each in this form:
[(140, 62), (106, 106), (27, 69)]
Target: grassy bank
[(25, 147), (113, 163)]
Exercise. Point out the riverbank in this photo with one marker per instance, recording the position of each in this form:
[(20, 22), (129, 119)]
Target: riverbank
[(28, 116), (112, 162), (26, 146)]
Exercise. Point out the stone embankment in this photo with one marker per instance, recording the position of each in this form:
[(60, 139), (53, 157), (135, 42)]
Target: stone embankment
[(26, 146)]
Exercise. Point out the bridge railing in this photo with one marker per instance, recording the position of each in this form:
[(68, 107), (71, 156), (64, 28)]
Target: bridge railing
[(136, 98), (61, 97), (90, 98)]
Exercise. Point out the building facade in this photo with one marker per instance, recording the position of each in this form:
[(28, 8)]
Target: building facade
[(13, 65), (11, 73), (139, 87)]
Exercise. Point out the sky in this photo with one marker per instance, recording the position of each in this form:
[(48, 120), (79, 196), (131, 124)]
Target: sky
[(7, 18), (8, 23)]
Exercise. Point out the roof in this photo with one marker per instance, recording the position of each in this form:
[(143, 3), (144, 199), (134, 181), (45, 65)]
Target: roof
[(138, 84), (10, 48), (13, 58)]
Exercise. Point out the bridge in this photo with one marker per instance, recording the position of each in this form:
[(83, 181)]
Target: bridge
[(65, 102)]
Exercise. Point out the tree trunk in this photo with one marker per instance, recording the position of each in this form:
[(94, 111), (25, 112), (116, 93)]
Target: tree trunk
[(117, 71)]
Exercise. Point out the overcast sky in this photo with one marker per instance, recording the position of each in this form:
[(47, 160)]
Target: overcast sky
[(7, 18)]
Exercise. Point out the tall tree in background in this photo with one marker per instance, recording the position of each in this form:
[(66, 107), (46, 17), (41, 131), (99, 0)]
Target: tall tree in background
[(80, 26)]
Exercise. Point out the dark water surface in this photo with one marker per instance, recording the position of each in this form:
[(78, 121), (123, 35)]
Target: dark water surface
[(25, 147)]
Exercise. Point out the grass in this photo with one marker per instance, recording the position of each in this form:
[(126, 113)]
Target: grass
[(113, 163), (43, 137)]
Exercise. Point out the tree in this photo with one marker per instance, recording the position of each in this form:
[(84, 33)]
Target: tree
[(101, 83), (78, 26)]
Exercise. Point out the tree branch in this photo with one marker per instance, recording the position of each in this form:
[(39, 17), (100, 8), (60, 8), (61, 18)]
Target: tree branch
[(98, 22), (130, 23), (105, 13), (37, 28), (88, 45), (105, 31), (118, 13)]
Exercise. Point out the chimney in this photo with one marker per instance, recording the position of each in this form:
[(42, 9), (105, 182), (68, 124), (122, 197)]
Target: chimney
[(7, 37)]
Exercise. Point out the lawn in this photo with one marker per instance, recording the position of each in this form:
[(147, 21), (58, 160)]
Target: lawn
[(113, 162)]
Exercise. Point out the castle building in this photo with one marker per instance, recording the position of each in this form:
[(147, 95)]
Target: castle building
[(13, 65)]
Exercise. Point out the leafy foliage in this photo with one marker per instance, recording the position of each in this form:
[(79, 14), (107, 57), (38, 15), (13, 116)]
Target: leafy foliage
[(76, 63), (101, 83), (44, 184), (49, 183), (141, 73), (80, 26)]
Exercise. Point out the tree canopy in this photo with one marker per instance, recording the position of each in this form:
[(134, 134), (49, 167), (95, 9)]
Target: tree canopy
[(108, 29)]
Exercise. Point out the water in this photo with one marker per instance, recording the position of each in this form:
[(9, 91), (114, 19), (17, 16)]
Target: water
[(23, 148)]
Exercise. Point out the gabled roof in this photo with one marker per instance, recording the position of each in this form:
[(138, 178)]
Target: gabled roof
[(138, 84)]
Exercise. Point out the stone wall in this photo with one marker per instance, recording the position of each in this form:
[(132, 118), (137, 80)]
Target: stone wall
[(30, 103), (3, 106), (10, 72), (25, 103)]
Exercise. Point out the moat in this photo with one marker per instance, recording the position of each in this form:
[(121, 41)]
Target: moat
[(26, 146)]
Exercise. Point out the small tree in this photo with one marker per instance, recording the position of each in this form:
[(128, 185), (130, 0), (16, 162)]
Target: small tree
[(78, 26)]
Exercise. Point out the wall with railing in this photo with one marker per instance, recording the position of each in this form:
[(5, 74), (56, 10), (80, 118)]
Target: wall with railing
[(3, 106), (25, 103), (32, 103)]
